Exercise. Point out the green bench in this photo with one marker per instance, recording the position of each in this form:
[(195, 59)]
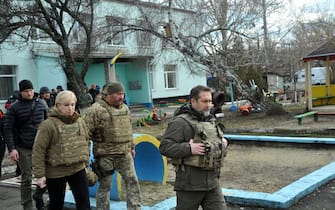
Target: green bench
[(300, 116)]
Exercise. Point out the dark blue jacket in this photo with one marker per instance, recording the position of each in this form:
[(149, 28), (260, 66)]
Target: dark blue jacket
[(21, 122)]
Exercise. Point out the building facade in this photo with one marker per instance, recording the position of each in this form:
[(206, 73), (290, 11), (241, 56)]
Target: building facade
[(148, 67)]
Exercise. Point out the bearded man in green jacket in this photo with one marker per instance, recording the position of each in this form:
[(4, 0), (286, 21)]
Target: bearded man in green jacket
[(195, 143)]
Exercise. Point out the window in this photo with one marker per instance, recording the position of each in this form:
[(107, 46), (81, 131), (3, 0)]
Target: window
[(170, 76), (151, 77), (7, 81), (115, 33), (143, 38), (79, 34), (38, 34)]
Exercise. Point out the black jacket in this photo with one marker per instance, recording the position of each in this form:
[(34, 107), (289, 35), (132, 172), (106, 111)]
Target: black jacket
[(21, 122), (2, 122), (2, 141)]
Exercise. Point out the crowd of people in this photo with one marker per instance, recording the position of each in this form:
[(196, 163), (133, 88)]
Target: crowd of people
[(51, 142)]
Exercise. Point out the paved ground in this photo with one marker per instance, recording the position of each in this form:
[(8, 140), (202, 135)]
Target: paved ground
[(321, 199)]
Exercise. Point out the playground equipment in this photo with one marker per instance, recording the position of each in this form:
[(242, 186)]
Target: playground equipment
[(151, 117), (218, 102), (150, 165), (233, 107), (245, 110)]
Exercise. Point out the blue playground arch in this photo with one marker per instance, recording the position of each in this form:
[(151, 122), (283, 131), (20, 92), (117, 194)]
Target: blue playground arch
[(150, 165)]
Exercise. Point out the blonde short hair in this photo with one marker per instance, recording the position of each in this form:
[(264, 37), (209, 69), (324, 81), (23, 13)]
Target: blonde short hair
[(65, 96)]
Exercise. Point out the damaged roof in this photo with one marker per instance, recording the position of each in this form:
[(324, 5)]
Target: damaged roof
[(323, 52)]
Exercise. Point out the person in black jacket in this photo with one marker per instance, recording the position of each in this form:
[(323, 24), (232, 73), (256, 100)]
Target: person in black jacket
[(47, 97), (21, 123), (2, 140)]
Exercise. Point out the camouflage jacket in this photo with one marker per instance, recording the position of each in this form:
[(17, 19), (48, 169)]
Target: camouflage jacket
[(110, 129), (49, 156)]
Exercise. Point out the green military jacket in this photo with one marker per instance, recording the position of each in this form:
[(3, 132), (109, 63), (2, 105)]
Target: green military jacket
[(175, 144)]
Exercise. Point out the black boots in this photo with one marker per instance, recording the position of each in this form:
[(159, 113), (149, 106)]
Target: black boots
[(38, 202)]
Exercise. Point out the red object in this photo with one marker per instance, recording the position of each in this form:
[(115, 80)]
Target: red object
[(7, 105), (245, 110)]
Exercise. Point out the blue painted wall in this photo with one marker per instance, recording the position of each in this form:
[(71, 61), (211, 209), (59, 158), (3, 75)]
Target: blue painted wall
[(94, 75), (134, 77), (50, 73)]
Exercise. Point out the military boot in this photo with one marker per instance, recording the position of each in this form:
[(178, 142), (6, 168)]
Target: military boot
[(28, 206), (38, 202)]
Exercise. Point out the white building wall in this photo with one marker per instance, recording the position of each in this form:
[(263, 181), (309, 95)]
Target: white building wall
[(185, 80), (43, 70), (25, 66), (50, 73), (161, 55), (22, 59)]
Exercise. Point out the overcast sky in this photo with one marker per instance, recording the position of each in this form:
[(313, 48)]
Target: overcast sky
[(302, 10)]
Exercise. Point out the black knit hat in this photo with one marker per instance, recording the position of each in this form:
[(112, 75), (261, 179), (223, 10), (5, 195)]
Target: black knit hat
[(114, 87), (25, 84), (44, 90)]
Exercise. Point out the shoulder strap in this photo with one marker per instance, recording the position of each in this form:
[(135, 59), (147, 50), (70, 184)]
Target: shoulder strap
[(104, 106), (185, 118)]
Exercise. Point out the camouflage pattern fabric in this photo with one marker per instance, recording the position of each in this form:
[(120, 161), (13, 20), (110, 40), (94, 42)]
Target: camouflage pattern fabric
[(73, 144), (211, 135), (110, 129), (92, 178), (125, 166)]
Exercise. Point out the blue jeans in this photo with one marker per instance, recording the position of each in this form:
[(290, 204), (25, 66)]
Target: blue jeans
[(79, 186)]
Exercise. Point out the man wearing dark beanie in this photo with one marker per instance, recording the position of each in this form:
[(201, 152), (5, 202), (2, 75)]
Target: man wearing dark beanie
[(21, 123), (25, 85), (109, 123)]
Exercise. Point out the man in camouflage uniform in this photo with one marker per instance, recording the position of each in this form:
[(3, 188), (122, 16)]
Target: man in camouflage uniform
[(109, 122), (194, 141)]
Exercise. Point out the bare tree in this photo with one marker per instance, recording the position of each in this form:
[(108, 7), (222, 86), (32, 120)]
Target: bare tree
[(224, 39), (57, 20)]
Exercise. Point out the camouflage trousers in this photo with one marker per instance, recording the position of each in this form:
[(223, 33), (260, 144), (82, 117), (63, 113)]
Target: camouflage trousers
[(125, 166)]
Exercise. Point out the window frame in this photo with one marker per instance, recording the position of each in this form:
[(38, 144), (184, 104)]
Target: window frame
[(115, 25), (7, 87), (152, 77), (143, 39), (170, 76), (38, 35)]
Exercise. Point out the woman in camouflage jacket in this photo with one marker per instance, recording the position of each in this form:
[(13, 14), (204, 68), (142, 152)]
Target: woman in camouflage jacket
[(61, 153)]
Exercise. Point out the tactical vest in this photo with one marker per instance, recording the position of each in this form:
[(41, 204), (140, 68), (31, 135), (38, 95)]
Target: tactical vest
[(116, 135), (211, 135), (72, 146)]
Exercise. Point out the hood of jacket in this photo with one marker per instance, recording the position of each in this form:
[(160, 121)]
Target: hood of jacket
[(187, 109)]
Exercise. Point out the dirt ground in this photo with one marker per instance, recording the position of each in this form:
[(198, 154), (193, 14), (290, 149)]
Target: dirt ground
[(252, 166)]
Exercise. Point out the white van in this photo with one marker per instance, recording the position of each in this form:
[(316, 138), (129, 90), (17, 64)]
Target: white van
[(319, 75)]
